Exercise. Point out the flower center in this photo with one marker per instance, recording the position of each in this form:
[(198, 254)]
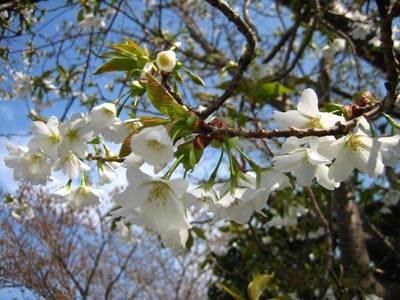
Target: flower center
[(69, 158), (35, 158), (237, 203), (164, 60), (54, 138), (73, 135), (354, 144), (157, 195), (314, 123), (108, 113), (82, 193), (155, 145)]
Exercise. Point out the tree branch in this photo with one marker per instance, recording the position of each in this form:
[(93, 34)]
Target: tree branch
[(244, 60)]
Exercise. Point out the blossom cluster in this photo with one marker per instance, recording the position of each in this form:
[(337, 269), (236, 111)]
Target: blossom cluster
[(160, 202), (327, 159)]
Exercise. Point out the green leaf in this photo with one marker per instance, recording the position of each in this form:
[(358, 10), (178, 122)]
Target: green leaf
[(233, 294), (163, 101), (270, 90), (190, 241), (191, 155), (334, 108), (149, 121), (79, 18), (117, 64), (241, 87), (195, 78), (199, 232), (258, 285), (126, 146)]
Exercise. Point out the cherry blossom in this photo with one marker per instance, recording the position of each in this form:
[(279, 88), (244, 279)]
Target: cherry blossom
[(157, 204), (32, 166), (70, 164), (75, 134), (166, 61), (79, 197), (46, 136), (103, 115), (305, 162), (307, 114), (154, 145), (357, 150)]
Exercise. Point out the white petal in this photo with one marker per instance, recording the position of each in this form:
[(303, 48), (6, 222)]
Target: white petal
[(323, 179), (289, 162), (308, 104), (290, 118), (342, 166), (305, 174), (328, 119)]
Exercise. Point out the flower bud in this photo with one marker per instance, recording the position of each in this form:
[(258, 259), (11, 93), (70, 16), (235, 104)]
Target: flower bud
[(363, 98), (166, 61), (350, 110)]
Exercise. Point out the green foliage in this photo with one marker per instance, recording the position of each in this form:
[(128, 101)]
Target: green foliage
[(163, 101), (128, 56), (267, 90), (258, 285)]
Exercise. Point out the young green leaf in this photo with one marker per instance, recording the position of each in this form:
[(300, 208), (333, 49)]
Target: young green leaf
[(270, 90), (258, 285), (163, 101)]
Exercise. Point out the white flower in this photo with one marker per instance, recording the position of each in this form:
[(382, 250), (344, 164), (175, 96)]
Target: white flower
[(166, 61), (356, 150), (201, 198), (22, 85), (273, 180), (120, 130), (32, 166), (307, 114), (154, 145), (82, 196), (289, 217), (156, 204), (106, 172), (46, 136), (90, 21), (126, 234), (390, 150), (336, 46), (70, 164), (257, 70), (75, 134), (239, 204), (305, 162), (20, 210), (103, 115)]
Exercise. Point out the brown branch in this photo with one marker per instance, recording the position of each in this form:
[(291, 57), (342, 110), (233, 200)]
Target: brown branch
[(329, 242), (244, 60), (338, 129), (392, 64)]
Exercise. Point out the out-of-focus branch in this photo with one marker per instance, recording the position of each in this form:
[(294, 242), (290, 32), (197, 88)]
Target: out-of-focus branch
[(391, 62)]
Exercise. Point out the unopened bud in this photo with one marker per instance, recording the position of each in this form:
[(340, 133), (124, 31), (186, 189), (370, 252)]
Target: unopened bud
[(201, 141), (363, 98), (350, 110)]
